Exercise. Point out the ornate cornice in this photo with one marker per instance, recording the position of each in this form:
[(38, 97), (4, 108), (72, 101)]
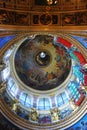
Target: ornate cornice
[(62, 124)]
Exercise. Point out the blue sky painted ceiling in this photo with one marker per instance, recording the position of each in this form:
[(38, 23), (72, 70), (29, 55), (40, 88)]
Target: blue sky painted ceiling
[(4, 40), (82, 40)]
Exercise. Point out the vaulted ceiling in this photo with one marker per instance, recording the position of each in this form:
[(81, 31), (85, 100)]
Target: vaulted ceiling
[(43, 63)]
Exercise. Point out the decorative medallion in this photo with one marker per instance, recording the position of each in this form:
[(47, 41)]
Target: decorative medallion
[(45, 19)]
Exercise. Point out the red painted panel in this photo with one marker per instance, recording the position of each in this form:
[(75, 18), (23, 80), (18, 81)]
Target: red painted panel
[(85, 79), (80, 57), (80, 100), (64, 42)]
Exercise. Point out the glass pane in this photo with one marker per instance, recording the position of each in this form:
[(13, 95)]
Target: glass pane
[(5, 73), (28, 101), (7, 54), (10, 83), (23, 98), (59, 101), (13, 90), (47, 104), (64, 97), (44, 104)]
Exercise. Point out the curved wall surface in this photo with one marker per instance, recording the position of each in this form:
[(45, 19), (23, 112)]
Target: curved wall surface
[(64, 106)]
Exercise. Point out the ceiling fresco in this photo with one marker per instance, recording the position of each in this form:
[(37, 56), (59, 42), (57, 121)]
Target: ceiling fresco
[(43, 12), (44, 81), (41, 63)]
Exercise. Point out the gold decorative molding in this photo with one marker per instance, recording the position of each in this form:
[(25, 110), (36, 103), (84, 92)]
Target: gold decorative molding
[(25, 124)]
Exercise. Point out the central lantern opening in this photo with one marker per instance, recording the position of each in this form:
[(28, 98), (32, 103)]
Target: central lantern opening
[(42, 58)]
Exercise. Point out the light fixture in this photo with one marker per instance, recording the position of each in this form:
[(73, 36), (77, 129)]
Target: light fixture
[(52, 2)]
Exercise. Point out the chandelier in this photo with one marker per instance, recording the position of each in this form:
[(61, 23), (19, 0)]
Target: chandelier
[(52, 2)]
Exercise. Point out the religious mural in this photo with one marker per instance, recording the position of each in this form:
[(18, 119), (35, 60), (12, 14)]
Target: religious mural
[(4, 19), (43, 65), (78, 18), (36, 19), (41, 60), (11, 17), (55, 19), (21, 19), (44, 17), (68, 19)]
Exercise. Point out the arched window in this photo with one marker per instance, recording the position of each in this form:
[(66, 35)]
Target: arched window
[(12, 87), (7, 55), (5, 73), (62, 99), (44, 104), (25, 99)]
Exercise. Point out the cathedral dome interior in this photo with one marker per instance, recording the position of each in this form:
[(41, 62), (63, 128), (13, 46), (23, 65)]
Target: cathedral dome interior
[(43, 65)]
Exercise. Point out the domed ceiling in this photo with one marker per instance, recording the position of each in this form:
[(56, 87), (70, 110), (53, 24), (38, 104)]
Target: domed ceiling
[(44, 80), (43, 67), (41, 63)]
